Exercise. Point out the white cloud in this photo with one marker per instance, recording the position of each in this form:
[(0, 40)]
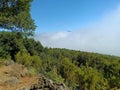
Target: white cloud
[(102, 37)]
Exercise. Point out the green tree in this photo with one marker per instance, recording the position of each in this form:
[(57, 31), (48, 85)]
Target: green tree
[(112, 73), (32, 46), (24, 58), (10, 44), (15, 16), (90, 79), (68, 71), (53, 74)]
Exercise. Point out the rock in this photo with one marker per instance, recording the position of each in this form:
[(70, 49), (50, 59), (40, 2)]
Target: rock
[(24, 88), (8, 62), (14, 77), (12, 80), (24, 72), (18, 71), (46, 84)]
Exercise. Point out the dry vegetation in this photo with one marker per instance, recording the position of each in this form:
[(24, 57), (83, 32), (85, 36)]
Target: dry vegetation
[(15, 77)]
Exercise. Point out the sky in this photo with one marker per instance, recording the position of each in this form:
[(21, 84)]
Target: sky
[(86, 25)]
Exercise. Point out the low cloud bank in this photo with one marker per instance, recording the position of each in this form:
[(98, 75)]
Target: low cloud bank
[(102, 37)]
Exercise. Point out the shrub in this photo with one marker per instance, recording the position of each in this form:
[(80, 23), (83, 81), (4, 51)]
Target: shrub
[(24, 58)]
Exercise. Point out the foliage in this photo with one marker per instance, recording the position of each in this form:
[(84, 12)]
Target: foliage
[(78, 70), (90, 79), (24, 58), (32, 46), (15, 16), (53, 74), (1, 61), (13, 46), (32, 71), (10, 44), (68, 71), (83, 70)]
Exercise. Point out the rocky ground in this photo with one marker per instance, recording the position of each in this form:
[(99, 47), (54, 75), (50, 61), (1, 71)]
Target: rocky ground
[(16, 77)]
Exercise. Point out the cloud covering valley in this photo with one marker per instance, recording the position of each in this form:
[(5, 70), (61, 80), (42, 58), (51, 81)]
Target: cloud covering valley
[(102, 37)]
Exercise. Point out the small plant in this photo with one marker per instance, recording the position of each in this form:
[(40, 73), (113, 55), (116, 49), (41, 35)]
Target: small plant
[(32, 71)]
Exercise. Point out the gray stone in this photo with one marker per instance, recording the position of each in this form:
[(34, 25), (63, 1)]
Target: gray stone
[(24, 88), (46, 84), (12, 80), (8, 62)]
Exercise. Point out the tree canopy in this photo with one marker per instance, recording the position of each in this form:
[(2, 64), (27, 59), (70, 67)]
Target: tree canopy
[(15, 16), (78, 70)]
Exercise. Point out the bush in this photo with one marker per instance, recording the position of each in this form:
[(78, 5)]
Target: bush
[(24, 58), (55, 76), (32, 71)]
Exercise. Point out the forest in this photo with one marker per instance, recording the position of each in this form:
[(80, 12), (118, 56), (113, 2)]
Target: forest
[(78, 70)]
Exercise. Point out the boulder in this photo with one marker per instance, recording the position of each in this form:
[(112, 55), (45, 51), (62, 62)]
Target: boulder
[(46, 84), (8, 62), (12, 80)]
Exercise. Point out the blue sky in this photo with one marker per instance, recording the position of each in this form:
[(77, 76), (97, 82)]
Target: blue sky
[(93, 25), (64, 15)]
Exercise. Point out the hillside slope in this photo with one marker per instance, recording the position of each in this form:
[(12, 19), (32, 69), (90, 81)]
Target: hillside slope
[(16, 77)]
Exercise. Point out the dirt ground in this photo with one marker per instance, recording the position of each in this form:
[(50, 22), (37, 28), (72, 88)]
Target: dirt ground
[(7, 72)]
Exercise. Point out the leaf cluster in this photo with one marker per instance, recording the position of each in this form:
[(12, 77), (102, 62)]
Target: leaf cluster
[(15, 16), (78, 70)]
